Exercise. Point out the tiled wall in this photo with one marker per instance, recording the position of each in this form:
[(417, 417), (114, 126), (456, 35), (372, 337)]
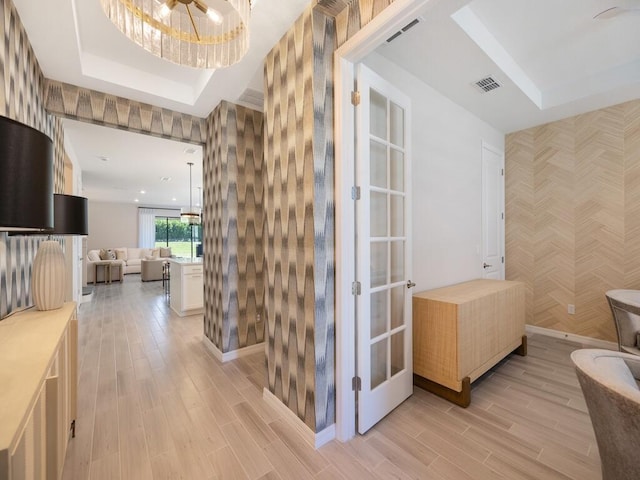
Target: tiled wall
[(22, 99), (233, 228), (299, 202), (573, 216)]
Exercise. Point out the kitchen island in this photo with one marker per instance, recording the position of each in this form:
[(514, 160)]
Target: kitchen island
[(186, 286)]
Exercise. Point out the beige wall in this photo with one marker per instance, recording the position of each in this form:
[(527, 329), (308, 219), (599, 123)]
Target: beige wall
[(112, 225), (573, 216)]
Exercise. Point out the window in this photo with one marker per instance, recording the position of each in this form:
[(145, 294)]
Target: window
[(171, 232)]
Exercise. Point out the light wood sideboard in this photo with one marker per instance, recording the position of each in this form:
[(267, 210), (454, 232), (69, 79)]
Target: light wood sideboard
[(38, 378), (461, 331)]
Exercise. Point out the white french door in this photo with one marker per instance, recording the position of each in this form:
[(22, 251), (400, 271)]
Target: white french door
[(383, 249)]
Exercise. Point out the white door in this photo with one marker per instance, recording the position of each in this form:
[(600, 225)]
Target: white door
[(383, 261), (492, 213)]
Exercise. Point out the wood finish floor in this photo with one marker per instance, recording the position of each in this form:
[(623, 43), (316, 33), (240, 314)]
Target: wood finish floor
[(154, 404)]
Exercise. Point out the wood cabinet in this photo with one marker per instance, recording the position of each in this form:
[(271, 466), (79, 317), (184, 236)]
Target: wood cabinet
[(461, 331), (187, 287), (38, 375)]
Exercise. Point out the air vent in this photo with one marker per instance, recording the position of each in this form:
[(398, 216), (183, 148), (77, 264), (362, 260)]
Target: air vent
[(190, 151), (252, 97), (487, 84), (404, 29)]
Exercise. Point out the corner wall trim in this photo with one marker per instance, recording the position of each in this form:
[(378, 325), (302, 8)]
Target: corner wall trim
[(591, 342), (232, 355), (316, 440)]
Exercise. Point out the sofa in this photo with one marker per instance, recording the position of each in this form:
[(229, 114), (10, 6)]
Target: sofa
[(124, 260)]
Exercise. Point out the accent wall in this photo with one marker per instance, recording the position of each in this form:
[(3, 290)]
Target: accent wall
[(573, 216), (22, 99)]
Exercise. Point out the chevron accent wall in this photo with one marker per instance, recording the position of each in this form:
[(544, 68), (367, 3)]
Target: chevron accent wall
[(77, 103), (299, 203), (572, 217), (22, 99), (233, 227)]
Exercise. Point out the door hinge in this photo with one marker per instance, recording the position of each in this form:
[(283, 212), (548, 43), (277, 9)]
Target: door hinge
[(355, 193), (355, 98), (502, 172), (502, 215), (356, 288), (502, 259), (356, 384)]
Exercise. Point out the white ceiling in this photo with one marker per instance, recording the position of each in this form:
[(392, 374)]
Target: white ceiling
[(118, 165), (551, 57)]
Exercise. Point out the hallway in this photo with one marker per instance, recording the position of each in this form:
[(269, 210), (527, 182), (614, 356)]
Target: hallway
[(154, 404)]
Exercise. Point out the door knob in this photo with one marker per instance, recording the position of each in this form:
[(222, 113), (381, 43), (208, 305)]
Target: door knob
[(410, 284), (486, 265)]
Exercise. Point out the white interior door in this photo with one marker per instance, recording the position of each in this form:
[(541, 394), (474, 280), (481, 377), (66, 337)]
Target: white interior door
[(492, 213), (383, 250)]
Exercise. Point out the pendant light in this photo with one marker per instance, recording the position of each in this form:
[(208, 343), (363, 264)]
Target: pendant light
[(190, 215)]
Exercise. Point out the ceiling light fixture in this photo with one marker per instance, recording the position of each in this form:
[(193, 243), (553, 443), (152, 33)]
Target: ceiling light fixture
[(192, 215), (201, 38)]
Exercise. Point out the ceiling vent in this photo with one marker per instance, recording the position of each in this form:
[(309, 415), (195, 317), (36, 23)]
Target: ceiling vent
[(487, 84), (252, 97), (404, 29)]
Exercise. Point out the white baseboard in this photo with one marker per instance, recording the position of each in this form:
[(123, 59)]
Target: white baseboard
[(232, 355), (316, 440), (591, 342)]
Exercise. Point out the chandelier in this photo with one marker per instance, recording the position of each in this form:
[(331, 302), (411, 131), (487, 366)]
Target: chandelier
[(186, 32), (191, 215)]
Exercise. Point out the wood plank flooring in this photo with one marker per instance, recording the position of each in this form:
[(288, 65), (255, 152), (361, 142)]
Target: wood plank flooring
[(154, 404)]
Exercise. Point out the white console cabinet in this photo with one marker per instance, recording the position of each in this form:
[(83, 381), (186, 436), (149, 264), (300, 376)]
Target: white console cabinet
[(38, 378), (187, 286)]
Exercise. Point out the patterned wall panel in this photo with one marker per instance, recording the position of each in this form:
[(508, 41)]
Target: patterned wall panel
[(520, 225), (233, 224), (22, 99), (599, 218), (631, 115), (77, 103), (583, 221), (299, 201)]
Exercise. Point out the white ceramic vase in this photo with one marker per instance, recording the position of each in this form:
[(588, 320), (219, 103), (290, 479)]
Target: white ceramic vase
[(48, 276)]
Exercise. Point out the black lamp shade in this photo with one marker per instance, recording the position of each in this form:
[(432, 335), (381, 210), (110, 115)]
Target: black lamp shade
[(70, 213), (26, 178)]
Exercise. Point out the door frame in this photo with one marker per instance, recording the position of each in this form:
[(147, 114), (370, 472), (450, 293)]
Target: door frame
[(389, 21)]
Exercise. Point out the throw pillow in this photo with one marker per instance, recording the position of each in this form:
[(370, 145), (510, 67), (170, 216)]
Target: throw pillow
[(155, 252), (150, 258), (111, 254), (121, 254), (94, 255), (104, 254), (165, 252)]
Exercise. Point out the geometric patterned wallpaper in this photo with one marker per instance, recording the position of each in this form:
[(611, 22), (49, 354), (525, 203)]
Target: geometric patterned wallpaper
[(83, 104), (233, 227), (299, 203), (573, 216), (22, 99)]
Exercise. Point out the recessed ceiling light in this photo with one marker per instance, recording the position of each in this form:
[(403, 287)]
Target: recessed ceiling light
[(174, 199), (143, 192), (136, 200), (190, 150)]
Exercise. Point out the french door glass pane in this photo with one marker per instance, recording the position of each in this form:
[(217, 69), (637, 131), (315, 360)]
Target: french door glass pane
[(397, 261), (397, 306), (378, 164), (378, 112), (397, 125), (397, 216), (378, 214), (378, 362), (397, 170), (379, 301), (397, 352), (379, 262)]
